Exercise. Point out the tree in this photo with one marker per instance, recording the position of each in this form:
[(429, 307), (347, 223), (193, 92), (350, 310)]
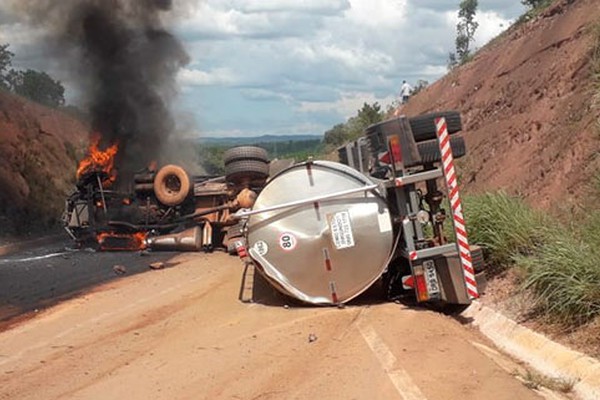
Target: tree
[(465, 31), (369, 114), (37, 86), (336, 136), (452, 61), (535, 3), (5, 62), (421, 84)]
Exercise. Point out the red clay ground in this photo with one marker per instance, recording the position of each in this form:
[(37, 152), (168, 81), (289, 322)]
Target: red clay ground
[(38, 150), (532, 128), (527, 106)]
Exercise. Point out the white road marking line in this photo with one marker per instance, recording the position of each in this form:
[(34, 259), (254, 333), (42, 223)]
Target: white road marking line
[(17, 260), (403, 383)]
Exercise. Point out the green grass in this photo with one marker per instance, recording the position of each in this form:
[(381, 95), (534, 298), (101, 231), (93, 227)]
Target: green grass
[(564, 275), (559, 264), (504, 226), (535, 380)]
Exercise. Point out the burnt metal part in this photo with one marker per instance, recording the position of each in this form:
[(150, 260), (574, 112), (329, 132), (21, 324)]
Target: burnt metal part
[(172, 185), (93, 213), (188, 240)]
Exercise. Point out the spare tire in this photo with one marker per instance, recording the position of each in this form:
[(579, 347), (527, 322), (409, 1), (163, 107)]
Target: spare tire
[(430, 151), (172, 185), (246, 171), (423, 126), (245, 153)]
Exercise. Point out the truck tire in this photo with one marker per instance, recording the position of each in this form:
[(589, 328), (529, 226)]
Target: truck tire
[(246, 171), (245, 153), (423, 126), (172, 185), (430, 150)]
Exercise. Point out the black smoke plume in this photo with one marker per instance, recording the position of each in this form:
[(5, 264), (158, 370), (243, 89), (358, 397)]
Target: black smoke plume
[(125, 63)]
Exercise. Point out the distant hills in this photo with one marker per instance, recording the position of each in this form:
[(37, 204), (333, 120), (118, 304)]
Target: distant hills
[(253, 140)]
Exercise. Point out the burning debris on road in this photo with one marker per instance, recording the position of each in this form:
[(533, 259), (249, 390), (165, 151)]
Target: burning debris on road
[(124, 63), (164, 209)]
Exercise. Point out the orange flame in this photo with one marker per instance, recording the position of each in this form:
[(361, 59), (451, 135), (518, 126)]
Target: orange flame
[(99, 160), (122, 241)]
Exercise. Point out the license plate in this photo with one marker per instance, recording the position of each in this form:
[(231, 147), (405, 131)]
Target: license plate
[(431, 279)]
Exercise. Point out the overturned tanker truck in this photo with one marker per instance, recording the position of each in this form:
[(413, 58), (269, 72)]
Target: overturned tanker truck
[(323, 232)]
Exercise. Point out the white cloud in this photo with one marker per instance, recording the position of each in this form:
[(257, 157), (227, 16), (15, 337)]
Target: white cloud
[(346, 105), (383, 14), (491, 24), (196, 77), (298, 66), (260, 94), (304, 6)]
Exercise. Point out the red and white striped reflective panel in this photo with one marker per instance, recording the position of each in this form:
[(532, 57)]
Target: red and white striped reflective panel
[(457, 214)]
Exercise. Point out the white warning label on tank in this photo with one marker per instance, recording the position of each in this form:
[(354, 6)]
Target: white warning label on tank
[(261, 248), (287, 241), (385, 223), (341, 230)]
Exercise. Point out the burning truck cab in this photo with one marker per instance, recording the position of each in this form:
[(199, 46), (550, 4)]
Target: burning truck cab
[(161, 201)]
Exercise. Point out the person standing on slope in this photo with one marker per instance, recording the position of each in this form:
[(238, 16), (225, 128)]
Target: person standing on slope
[(405, 92)]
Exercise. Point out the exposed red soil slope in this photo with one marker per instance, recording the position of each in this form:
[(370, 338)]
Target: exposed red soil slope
[(38, 151), (527, 104)]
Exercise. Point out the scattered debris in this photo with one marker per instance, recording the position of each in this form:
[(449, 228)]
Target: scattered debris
[(119, 269), (157, 265), (312, 338)]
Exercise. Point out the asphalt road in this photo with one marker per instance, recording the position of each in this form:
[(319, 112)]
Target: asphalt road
[(40, 276), (182, 333)]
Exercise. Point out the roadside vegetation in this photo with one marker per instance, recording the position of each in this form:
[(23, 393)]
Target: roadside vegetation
[(465, 34), (211, 155), (34, 85), (354, 127), (534, 8), (558, 264)]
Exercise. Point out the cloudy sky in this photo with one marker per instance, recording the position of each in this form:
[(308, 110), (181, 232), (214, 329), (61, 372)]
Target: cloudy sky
[(296, 66)]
